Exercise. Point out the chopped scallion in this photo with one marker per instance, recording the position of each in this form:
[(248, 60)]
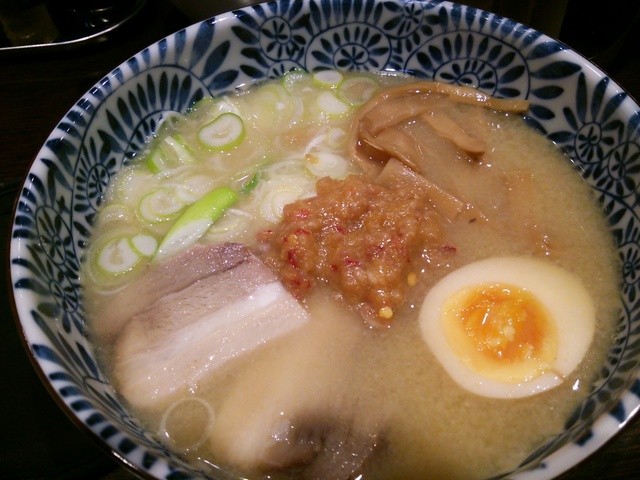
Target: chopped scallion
[(357, 91), (330, 104), (224, 132), (160, 205), (195, 221), (328, 78)]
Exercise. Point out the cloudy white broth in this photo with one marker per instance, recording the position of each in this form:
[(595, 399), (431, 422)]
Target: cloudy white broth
[(349, 275)]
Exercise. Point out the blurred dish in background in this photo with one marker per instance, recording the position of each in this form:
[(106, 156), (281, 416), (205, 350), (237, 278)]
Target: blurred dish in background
[(25, 22), (598, 33), (606, 36), (197, 10), (544, 15), (28, 25)]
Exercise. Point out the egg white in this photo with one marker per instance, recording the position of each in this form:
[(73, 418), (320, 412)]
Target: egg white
[(563, 295)]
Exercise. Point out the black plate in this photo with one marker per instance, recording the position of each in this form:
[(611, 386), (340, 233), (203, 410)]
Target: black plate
[(77, 24)]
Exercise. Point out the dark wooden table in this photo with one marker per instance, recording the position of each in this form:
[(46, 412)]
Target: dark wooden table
[(36, 440)]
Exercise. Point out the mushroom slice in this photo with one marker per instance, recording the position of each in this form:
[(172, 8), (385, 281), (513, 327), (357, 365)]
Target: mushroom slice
[(395, 143), (450, 207), (446, 127), (397, 110), (374, 130), (457, 93), (473, 96)]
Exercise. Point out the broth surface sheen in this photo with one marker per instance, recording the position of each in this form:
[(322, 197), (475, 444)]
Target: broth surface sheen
[(380, 378)]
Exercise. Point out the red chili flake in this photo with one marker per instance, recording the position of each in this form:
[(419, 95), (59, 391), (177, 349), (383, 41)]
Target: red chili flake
[(302, 213), (265, 235), (299, 286), (350, 262), (448, 248), (302, 231), (290, 239), (374, 251), (292, 257)]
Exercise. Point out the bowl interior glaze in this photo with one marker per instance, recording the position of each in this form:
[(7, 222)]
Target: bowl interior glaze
[(573, 103)]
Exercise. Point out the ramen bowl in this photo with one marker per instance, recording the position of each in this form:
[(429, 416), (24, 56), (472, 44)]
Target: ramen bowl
[(572, 103)]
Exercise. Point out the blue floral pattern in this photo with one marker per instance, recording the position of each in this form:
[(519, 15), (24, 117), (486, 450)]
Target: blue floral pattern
[(576, 106)]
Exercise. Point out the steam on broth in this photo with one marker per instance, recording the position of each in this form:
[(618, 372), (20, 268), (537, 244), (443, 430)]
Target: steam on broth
[(255, 280)]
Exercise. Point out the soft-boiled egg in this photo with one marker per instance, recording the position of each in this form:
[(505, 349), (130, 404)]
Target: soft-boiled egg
[(508, 327)]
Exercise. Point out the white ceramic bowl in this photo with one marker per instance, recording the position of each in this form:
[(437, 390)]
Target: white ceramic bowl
[(573, 103)]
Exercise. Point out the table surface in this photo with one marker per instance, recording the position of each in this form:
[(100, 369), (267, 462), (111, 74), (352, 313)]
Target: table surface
[(35, 92)]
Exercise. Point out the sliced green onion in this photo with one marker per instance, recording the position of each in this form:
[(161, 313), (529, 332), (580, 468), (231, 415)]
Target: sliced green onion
[(145, 245), (156, 161), (224, 132), (336, 138), (160, 205), (271, 108), (331, 105), (209, 108), (168, 123), (120, 255), (117, 256), (274, 202), (277, 193), (190, 188), (171, 152), (288, 170), (202, 106), (178, 146), (251, 183), (232, 224), (115, 213), (295, 79), (326, 164), (357, 91), (128, 186), (195, 221), (186, 423), (328, 78), (247, 179)]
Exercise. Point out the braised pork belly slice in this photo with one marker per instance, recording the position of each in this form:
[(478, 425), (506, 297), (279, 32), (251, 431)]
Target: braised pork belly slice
[(163, 279), (298, 413), (185, 334)]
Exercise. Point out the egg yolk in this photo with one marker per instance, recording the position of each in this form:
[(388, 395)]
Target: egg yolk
[(501, 331)]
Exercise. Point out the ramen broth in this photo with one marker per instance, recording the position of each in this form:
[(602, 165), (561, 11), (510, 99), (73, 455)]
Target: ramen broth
[(382, 378)]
